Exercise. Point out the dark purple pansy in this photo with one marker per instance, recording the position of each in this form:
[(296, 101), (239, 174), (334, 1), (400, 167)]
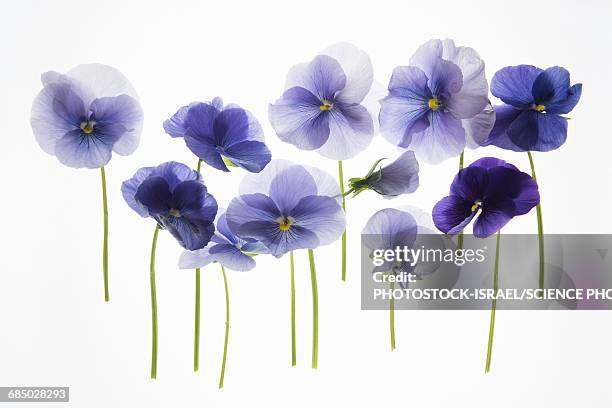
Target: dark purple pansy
[(287, 207), (226, 248), (322, 106), (221, 135), (176, 197), (535, 100), (490, 190), (399, 177), (85, 115)]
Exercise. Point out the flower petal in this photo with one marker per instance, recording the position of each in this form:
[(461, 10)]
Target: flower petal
[(231, 126), (251, 208), (297, 119), (205, 149), (566, 105), (119, 110), (280, 242), (513, 85), (351, 130), (492, 219), (444, 138), (470, 183), (232, 258), (290, 186), (323, 76), (426, 56), (321, 215), (399, 177), (504, 116), (388, 228), (77, 150), (357, 67), (445, 80), (176, 126), (478, 128), (538, 131), (452, 214), (195, 259), (191, 233), (129, 188), (175, 173), (154, 194), (249, 154), (102, 80)]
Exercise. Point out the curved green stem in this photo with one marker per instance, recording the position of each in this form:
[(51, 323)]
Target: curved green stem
[(540, 227), (460, 235), (227, 320), (493, 305), (293, 346), (315, 309), (392, 316), (153, 305), (199, 165), (105, 241), (196, 338), (341, 180)]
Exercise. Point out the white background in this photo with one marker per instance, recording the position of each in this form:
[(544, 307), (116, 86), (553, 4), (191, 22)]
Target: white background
[(56, 330)]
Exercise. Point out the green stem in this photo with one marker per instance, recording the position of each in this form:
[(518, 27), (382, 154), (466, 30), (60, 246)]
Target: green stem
[(199, 165), (105, 242), (227, 320), (341, 180), (460, 235), (196, 339), (392, 316), (493, 305), (315, 309), (293, 346), (540, 227), (153, 306)]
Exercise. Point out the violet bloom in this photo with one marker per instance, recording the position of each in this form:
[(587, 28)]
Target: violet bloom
[(534, 100), (81, 117), (439, 104), (489, 189), (397, 178), (221, 135), (322, 106), (225, 248), (176, 197), (287, 207)]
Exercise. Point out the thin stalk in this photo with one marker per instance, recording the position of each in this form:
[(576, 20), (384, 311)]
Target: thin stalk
[(196, 338), (315, 309), (493, 305), (460, 235), (153, 306), (293, 346), (227, 320), (392, 316), (105, 241), (341, 180), (199, 165), (540, 227)]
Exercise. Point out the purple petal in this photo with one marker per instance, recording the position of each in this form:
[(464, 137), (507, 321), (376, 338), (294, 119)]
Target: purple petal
[(154, 194), (78, 150), (68, 106), (189, 196), (321, 215), (399, 177), (445, 80), (357, 67), (120, 112), (470, 183), (504, 116), (538, 131), (323, 76), (452, 214), (506, 182), (250, 155), (426, 56), (129, 188), (232, 258), (388, 228), (290, 186), (250, 208), (350, 131), (491, 162), (191, 234), (513, 85), (280, 242), (175, 173), (566, 105), (551, 86), (444, 138), (200, 122), (176, 126), (297, 119), (205, 149), (478, 128), (231, 126), (492, 219), (195, 259)]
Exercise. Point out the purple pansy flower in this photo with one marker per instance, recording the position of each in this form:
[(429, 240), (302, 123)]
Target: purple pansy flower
[(225, 248), (322, 106), (287, 207), (82, 116), (397, 178), (489, 189), (221, 135), (176, 197), (534, 101), (439, 104)]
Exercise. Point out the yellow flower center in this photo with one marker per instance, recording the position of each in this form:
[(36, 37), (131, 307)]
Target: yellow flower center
[(539, 108), (284, 223), (175, 213), (326, 105), (434, 103), (476, 205), (87, 127)]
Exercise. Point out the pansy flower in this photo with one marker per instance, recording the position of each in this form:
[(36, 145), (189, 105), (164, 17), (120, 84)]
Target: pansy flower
[(82, 117), (490, 190), (534, 101), (399, 177), (177, 199), (438, 104), (288, 207), (221, 135), (322, 106)]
